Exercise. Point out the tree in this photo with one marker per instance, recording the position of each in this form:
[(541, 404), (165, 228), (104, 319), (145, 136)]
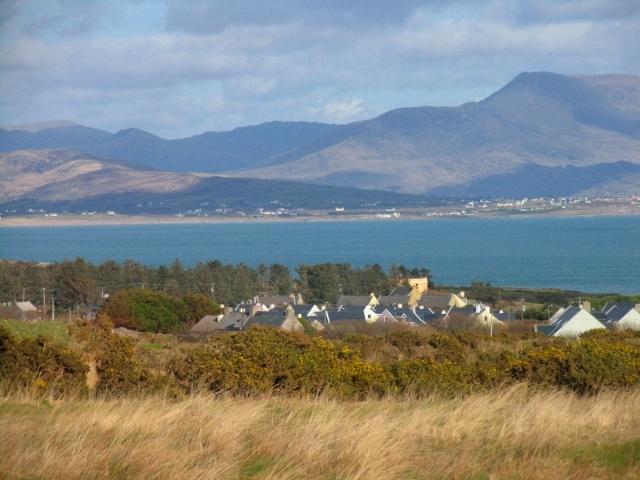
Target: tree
[(145, 310), (195, 306)]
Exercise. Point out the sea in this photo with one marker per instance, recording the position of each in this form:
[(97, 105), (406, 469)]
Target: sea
[(589, 254)]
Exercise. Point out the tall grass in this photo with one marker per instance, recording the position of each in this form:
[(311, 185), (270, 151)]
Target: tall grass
[(508, 434)]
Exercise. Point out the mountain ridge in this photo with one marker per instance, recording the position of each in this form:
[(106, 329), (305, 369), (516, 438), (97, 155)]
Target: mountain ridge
[(71, 180), (539, 118)]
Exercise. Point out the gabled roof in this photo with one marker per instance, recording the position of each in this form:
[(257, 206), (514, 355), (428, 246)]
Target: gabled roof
[(302, 309), (214, 323), (566, 317), (393, 299), (345, 313), (26, 307), (616, 311), (436, 302), (505, 316), (405, 314), (272, 318)]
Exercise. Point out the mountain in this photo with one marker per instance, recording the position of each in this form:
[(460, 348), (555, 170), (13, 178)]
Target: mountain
[(532, 180), (536, 120), (211, 152), (60, 179)]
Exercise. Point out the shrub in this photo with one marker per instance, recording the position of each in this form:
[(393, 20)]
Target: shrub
[(143, 309), (40, 365), (121, 371), (195, 306)]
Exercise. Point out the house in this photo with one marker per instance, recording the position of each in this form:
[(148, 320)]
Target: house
[(20, 311), (444, 301), (419, 284), (557, 315), (396, 299), (306, 310), (406, 315), (505, 316), (232, 321), (484, 316), (279, 300), (284, 319), (470, 315), (348, 313), (357, 300), (573, 322), (620, 316)]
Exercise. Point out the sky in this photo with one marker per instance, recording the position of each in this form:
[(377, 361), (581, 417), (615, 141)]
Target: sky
[(181, 67)]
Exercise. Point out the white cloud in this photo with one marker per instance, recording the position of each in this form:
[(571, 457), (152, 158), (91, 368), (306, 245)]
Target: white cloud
[(218, 65), (341, 111)]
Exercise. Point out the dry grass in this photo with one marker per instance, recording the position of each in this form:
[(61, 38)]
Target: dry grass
[(512, 434)]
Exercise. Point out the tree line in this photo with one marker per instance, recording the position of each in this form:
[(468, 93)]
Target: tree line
[(79, 282)]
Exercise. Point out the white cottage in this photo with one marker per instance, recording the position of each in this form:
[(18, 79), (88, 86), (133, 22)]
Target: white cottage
[(621, 316), (573, 322)]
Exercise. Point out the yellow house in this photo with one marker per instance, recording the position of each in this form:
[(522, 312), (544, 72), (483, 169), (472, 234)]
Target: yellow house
[(419, 286)]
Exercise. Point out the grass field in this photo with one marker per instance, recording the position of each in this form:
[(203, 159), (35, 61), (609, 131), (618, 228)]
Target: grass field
[(513, 434), (57, 330)]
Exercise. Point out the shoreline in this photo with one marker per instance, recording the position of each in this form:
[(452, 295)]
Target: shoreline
[(76, 220)]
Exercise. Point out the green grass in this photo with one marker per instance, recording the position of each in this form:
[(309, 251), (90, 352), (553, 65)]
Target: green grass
[(618, 457), (56, 330), (256, 467)]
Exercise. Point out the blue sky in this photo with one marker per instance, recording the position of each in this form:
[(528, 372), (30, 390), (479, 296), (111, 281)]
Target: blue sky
[(181, 67)]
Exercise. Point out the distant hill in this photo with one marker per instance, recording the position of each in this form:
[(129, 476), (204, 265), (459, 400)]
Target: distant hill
[(56, 179), (538, 119)]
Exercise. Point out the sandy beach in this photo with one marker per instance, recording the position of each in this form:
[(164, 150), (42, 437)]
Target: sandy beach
[(69, 220)]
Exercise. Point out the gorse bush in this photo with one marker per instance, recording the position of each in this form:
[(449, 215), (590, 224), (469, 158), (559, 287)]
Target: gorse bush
[(270, 361), (40, 366)]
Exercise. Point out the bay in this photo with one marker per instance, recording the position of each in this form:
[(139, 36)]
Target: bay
[(591, 254)]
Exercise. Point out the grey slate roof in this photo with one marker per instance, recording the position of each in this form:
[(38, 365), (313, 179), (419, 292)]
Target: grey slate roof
[(346, 313), (436, 302), (567, 315), (272, 318), (393, 299), (505, 316), (354, 300), (546, 329), (210, 323), (302, 309), (614, 312)]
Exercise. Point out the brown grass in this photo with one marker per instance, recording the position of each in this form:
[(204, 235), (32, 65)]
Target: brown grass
[(512, 434)]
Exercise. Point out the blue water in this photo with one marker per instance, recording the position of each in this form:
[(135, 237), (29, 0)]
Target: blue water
[(593, 254)]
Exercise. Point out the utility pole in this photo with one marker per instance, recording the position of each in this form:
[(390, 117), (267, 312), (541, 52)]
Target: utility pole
[(53, 307), (23, 290), (213, 290), (44, 301)]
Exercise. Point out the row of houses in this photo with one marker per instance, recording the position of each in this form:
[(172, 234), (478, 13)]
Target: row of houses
[(573, 321), (402, 306)]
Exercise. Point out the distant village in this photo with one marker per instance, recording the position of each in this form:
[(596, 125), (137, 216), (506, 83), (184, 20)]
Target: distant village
[(445, 208), (412, 305)]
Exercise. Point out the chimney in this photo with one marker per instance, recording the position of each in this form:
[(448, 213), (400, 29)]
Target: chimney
[(461, 294), (586, 305)]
